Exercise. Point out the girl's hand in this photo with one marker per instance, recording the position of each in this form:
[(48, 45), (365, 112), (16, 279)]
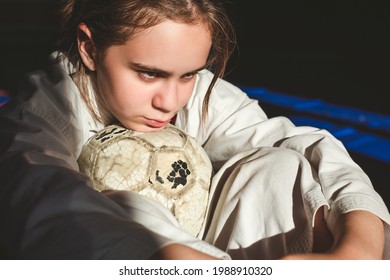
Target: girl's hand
[(358, 235)]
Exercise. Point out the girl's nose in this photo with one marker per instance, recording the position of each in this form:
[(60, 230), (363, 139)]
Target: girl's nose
[(166, 99)]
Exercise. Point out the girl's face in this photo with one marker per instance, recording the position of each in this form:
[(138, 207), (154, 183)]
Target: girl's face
[(146, 81)]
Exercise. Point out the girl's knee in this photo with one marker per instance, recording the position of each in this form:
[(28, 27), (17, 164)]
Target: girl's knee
[(274, 160)]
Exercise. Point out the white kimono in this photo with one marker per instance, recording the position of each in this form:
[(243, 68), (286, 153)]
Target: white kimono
[(270, 179)]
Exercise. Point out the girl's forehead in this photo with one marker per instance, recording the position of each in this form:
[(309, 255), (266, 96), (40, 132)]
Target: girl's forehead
[(170, 27), (171, 46)]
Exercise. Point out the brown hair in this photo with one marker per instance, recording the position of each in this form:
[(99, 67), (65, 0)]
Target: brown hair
[(113, 22)]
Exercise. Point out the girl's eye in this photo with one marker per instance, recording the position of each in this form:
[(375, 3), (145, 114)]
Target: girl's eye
[(189, 76), (148, 75)]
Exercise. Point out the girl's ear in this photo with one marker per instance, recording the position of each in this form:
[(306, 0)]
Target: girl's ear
[(85, 46)]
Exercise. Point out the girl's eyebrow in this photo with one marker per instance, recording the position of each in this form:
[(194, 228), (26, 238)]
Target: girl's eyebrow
[(161, 72)]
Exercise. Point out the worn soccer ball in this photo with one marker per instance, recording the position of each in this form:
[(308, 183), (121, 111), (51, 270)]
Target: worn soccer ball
[(168, 166)]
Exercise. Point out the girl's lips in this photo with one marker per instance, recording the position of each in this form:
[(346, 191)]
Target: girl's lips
[(156, 123)]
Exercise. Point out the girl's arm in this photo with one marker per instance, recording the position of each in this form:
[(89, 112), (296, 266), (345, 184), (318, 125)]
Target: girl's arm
[(180, 252), (50, 210)]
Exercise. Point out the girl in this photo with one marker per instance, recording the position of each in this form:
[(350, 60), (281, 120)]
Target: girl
[(279, 191)]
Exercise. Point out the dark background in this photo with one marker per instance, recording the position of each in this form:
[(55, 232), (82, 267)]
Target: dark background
[(27, 33), (336, 51)]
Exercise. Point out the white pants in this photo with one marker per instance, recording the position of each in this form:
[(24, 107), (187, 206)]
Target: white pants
[(262, 204)]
